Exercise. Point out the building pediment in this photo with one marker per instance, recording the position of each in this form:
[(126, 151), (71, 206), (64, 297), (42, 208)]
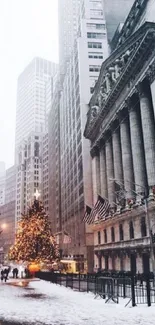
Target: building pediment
[(117, 71)]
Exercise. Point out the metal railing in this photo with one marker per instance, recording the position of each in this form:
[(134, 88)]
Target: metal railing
[(137, 289)]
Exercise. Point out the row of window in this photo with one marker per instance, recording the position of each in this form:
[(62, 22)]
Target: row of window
[(95, 55), (94, 68), (94, 45), (121, 232), (96, 26), (95, 35)]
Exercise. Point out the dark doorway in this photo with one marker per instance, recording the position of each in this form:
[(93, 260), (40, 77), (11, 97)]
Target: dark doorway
[(106, 263), (146, 263), (100, 262), (133, 263)]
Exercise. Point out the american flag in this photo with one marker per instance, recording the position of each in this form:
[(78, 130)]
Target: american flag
[(120, 194), (102, 207), (67, 238), (88, 216)]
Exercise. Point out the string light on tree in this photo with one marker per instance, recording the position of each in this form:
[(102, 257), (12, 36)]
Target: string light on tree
[(34, 242)]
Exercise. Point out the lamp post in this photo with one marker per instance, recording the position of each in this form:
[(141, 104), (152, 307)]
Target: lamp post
[(152, 257)]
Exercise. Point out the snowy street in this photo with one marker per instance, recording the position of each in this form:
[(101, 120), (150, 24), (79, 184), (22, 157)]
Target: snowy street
[(45, 303)]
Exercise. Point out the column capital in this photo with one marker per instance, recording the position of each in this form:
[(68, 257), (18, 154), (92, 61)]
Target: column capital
[(107, 136), (122, 114), (128, 103), (142, 88), (114, 125), (102, 143), (151, 72), (94, 152)]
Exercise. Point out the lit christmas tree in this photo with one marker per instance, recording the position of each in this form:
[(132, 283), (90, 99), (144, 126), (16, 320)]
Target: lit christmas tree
[(34, 242)]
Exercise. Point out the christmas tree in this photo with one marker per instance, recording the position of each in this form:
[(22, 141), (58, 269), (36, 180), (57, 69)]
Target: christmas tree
[(34, 241)]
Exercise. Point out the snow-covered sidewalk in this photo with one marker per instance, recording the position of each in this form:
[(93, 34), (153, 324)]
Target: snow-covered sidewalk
[(46, 303)]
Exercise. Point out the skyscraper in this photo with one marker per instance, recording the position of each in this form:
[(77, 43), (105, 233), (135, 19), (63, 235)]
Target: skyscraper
[(30, 113), (68, 11), (83, 47), (31, 126)]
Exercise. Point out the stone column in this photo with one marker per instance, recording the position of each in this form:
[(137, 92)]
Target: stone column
[(96, 176), (148, 127), (118, 168), (110, 171), (137, 149), (127, 156), (117, 154), (151, 78), (103, 173)]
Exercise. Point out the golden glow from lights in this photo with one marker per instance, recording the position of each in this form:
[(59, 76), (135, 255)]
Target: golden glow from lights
[(34, 242), (37, 194), (4, 226)]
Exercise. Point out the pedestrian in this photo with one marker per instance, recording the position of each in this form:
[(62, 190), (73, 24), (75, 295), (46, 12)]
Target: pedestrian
[(2, 275), (5, 274), (16, 272)]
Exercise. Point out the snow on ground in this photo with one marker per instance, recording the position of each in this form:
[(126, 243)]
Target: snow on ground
[(46, 303)]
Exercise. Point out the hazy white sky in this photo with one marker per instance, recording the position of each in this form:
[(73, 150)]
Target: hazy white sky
[(28, 28)]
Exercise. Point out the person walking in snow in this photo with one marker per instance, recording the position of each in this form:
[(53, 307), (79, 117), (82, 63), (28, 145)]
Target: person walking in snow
[(5, 274), (2, 275), (16, 272)]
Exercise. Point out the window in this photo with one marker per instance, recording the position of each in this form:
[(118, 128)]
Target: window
[(95, 35), (94, 45), (131, 230), (96, 4), (121, 232), (96, 26), (36, 149), (143, 227), (96, 13), (99, 237), (94, 68), (97, 55), (105, 235), (112, 234)]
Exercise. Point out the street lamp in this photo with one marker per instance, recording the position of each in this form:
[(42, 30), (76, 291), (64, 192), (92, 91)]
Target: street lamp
[(148, 222), (3, 227)]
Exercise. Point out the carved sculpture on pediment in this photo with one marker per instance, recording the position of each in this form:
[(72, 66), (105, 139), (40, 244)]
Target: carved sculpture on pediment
[(102, 95), (125, 57), (112, 74), (94, 111), (118, 67), (108, 82)]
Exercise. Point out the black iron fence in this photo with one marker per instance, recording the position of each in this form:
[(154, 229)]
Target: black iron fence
[(138, 289)]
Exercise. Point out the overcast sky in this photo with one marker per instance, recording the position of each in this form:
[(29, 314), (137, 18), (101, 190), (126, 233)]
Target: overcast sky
[(28, 28)]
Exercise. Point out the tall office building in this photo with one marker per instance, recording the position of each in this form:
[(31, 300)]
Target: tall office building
[(30, 113), (68, 12), (69, 164), (54, 158), (31, 126)]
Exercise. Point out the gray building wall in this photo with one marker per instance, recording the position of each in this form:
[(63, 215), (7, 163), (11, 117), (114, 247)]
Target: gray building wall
[(10, 184)]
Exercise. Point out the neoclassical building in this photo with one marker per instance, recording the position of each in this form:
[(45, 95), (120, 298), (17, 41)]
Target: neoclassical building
[(121, 128)]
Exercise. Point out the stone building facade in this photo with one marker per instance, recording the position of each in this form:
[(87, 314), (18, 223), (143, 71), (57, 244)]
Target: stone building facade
[(121, 128)]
